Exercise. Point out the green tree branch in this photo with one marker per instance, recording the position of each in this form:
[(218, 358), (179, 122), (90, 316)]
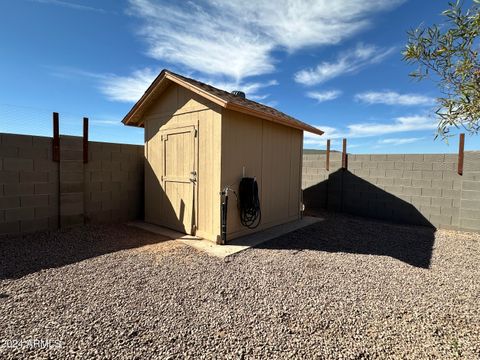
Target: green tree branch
[(448, 55)]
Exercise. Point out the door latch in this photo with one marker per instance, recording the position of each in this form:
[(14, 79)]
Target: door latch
[(193, 177)]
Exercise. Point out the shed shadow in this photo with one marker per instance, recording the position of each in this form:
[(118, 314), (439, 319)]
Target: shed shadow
[(412, 243), (160, 210)]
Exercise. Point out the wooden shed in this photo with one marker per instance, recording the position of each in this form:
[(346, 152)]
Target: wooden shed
[(200, 139)]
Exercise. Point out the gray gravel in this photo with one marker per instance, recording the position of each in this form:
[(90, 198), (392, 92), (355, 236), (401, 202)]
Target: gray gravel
[(344, 288)]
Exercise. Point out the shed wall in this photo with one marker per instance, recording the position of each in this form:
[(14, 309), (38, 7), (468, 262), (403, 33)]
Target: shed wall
[(179, 107), (270, 152)]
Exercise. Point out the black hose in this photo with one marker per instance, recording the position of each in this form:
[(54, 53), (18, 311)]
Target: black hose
[(250, 213)]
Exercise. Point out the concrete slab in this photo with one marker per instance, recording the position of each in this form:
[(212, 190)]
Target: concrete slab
[(160, 230), (236, 245)]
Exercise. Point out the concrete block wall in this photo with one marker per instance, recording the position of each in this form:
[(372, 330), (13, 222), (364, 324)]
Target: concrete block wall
[(422, 189), (36, 192), (28, 184), (315, 178), (114, 182), (470, 194), (72, 181)]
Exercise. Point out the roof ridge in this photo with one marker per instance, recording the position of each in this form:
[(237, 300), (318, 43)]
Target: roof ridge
[(223, 98)]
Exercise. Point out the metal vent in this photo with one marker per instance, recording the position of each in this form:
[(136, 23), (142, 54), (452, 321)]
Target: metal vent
[(238, 93)]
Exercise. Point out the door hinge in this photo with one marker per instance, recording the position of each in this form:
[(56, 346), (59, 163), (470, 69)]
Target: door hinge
[(195, 133)]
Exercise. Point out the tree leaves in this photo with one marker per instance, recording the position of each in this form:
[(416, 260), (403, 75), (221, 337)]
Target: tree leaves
[(448, 55)]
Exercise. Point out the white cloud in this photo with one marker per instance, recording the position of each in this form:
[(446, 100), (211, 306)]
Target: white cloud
[(115, 87), (106, 122), (236, 38), (203, 38), (71, 5), (400, 124), (347, 63), (126, 88), (317, 140), (313, 142), (334, 143), (322, 96), (298, 24), (393, 98), (399, 141), (363, 130)]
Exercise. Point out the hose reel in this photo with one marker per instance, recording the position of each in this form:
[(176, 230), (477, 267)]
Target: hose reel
[(248, 203)]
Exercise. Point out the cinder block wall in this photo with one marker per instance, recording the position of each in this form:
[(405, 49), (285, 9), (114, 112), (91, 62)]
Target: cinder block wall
[(416, 189), (111, 183), (470, 195), (28, 184), (114, 182)]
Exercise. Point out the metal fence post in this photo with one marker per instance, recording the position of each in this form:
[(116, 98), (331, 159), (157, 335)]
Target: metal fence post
[(85, 140), (344, 155), (461, 147), (56, 139), (327, 158)]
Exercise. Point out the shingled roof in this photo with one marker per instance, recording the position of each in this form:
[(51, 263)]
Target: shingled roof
[(218, 96)]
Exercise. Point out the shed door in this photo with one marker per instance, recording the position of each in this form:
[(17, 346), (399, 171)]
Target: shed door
[(179, 178)]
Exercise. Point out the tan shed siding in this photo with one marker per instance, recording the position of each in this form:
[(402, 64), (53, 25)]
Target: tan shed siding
[(153, 172), (179, 107), (241, 146), (272, 153), (282, 147), (296, 154), (276, 172), (209, 151), (176, 100)]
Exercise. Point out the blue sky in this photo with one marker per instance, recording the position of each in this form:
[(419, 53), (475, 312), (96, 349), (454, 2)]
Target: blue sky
[(334, 64)]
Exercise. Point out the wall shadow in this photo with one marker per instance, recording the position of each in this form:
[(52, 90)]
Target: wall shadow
[(345, 192), (315, 197), (21, 255), (349, 234)]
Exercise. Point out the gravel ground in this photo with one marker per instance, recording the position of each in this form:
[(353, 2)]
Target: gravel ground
[(344, 288)]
